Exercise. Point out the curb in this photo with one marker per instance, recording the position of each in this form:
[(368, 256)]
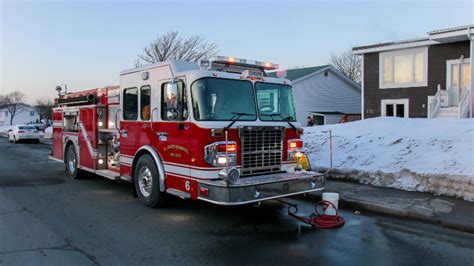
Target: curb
[(353, 205)]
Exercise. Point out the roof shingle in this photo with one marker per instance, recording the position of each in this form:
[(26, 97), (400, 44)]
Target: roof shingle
[(297, 73)]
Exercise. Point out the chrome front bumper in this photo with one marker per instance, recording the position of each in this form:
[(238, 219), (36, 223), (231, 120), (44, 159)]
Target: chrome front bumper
[(260, 188)]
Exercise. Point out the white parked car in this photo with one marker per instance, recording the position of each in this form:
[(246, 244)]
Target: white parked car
[(23, 132)]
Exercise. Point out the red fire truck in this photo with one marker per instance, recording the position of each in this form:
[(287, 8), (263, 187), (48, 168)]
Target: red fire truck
[(219, 130)]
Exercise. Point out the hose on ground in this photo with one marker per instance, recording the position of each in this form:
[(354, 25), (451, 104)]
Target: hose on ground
[(316, 219)]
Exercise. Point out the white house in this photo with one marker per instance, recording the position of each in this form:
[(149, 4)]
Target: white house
[(325, 94), (25, 114)]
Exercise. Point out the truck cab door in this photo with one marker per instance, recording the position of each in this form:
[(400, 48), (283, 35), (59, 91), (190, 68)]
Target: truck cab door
[(172, 132), (129, 129)]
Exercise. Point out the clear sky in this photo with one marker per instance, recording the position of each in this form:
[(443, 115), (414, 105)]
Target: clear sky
[(87, 43)]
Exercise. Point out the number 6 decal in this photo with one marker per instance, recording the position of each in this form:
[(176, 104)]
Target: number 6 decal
[(187, 185)]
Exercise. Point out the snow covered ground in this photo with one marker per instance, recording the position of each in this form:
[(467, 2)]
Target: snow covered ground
[(429, 155)]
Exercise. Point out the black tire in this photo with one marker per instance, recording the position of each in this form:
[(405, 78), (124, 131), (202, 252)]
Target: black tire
[(71, 162), (149, 194)]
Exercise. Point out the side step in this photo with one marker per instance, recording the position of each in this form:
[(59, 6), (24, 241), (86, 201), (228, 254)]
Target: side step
[(108, 174), (178, 193)]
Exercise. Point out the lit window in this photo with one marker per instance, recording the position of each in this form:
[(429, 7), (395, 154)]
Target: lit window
[(404, 68)]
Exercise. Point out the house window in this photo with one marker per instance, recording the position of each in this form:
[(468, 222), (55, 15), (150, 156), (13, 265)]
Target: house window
[(6, 113), (394, 107), (403, 68), (32, 113)]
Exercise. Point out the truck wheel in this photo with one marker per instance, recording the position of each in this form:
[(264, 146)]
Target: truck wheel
[(147, 184), (71, 162)]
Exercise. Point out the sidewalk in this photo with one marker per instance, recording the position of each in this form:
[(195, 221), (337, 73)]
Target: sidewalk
[(445, 211)]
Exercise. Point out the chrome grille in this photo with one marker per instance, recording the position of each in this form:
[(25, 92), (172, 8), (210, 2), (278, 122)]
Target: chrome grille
[(261, 149)]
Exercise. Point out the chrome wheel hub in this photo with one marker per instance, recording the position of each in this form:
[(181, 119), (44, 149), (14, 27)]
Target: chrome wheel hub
[(71, 161), (145, 181)]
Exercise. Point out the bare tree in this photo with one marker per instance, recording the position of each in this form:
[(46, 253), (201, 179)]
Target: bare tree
[(171, 46), (348, 63), (45, 107), (13, 102)]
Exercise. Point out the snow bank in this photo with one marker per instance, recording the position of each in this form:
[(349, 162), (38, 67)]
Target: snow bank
[(428, 155)]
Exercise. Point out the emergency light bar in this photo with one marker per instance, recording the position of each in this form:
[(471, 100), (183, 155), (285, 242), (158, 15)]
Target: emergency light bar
[(227, 60)]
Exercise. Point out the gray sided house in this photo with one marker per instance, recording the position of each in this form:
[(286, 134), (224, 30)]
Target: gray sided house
[(323, 93), (425, 77), (25, 114)]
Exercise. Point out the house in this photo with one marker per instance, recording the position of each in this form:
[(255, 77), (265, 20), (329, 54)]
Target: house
[(425, 77), (323, 93), (25, 114)]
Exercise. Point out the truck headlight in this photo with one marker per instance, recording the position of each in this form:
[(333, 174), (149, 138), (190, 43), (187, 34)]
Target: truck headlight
[(295, 149), (223, 160), (221, 153)]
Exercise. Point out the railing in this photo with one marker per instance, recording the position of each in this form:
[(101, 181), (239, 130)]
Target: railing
[(465, 105), (434, 104)]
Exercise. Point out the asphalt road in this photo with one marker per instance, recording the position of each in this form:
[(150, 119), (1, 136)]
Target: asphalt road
[(46, 219)]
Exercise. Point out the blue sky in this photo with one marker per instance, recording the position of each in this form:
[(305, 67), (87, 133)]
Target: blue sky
[(87, 43)]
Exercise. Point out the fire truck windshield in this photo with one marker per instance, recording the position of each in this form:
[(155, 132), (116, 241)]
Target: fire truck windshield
[(216, 99), (275, 102)]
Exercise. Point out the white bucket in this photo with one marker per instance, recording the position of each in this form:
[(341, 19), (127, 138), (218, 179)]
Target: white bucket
[(334, 199)]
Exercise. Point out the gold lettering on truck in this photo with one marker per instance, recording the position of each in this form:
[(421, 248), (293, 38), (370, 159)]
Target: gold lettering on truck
[(176, 147)]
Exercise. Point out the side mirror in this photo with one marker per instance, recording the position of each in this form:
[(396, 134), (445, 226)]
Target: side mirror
[(171, 98), (171, 91)]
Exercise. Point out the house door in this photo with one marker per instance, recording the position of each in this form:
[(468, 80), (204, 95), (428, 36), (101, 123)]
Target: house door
[(395, 107), (458, 79)]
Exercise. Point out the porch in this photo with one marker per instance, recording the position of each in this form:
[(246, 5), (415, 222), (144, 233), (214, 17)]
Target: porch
[(445, 103), (456, 100)]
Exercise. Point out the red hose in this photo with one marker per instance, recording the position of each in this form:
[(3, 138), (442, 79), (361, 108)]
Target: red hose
[(321, 221), (324, 221)]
